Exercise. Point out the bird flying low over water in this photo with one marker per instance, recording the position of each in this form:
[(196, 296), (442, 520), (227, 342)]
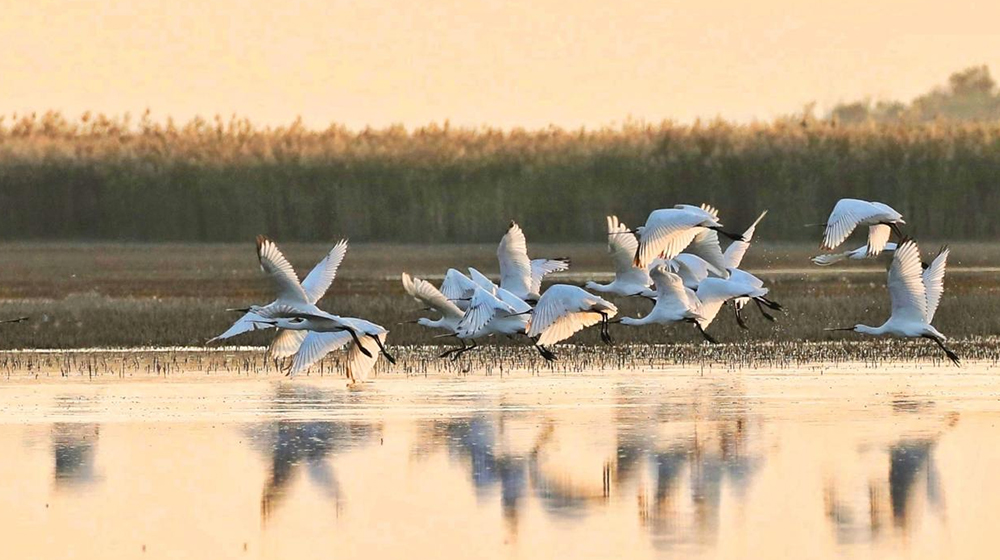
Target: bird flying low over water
[(289, 291), (563, 310), (850, 213), (670, 231), (630, 279), (858, 254), (518, 274), (326, 333), (915, 293)]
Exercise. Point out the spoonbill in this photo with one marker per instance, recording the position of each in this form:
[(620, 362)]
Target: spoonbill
[(858, 254), (500, 313), (675, 303), (519, 275), (849, 213), (915, 294), (289, 292), (669, 231), (630, 280), (429, 296), (563, 310), (326, 333)]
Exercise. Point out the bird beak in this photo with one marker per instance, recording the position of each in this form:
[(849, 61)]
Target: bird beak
[(239, 310), (832, 329), (902, 221), (268, 322), (413, 322)]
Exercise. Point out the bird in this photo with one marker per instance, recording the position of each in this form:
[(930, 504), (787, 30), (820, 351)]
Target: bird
[(675, 303), (563, 310), (850, 213), (326, 333), (289, 291), (499, 313), (669, 231), (429, 296), (858, 254), (518, 274), (630, 279), (713, 293), (915, 294)]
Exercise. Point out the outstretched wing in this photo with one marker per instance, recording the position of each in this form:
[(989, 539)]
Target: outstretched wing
[(878, 236), (738, 249), (286, 343), (564, 310), (622, 246), (712, 293), (428, 295), (282, 275), (457, 286), (934, 282), (318, 280), (706, 245), (316, 346), (515, 268), (906, 284), (483, 308), (359, 366), (542, 267), (666, 233), (244, 324), (481, 280), (846, 215)]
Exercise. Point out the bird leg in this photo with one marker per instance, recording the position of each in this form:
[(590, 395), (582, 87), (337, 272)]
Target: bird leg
[(895, 229), (605, 333), (732, 236), (772, 304), (545, 353), (447, 353), (357, 341), (707, 336), (947, 351), (382, 349), (760, 307), (739, 318), (463, 349)]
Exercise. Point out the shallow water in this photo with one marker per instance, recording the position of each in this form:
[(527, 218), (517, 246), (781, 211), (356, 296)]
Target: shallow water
[(820, 462)]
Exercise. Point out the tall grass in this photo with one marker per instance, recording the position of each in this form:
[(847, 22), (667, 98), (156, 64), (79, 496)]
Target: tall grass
[(103, 178)]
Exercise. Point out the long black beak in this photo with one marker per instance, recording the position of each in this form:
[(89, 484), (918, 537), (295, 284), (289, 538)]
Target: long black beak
[(240, 310), (833, 329), (413, 322), (18, 320)]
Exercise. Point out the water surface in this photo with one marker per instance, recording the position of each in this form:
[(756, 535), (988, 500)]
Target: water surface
[(819, 462)]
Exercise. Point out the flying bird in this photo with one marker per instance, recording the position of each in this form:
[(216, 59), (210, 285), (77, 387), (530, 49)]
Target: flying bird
[(630, 279), (518, 274), (669, 231), (850, 213), (563, 310), (915, 293), (858, 254)]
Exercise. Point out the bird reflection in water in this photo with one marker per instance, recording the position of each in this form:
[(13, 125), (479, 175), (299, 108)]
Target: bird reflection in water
[(74, 446), (295, 446), (903, 477)]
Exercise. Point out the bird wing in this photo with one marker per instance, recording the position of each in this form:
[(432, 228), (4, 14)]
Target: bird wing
[(428, 295), (457, 286), (691, 268), (316, 346), (846, 215), (286, 343), (706, 245), (318, 280), (934, 282), (358, 364), (878, 236), (481, 280), (272, 262), (669, 287), (712, 293), (515, 268), (622, 246), (542, 267), (483, 308), (667, 233), (738, 249), (906, 284), (244, 324), (566, 326), (518, 304), (562, 311)]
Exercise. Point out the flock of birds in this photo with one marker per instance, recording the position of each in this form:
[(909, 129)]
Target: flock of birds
[(675, 259)]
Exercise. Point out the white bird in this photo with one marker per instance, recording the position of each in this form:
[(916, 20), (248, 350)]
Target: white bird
[(501, 313), (518, 274), (563, 310), (429, 296), (915, 294), (326, 333), (302, 296), (675, 303), (670, 231), (630, 280), (713, 293), (849, 213), (458, 288), (858, 254)]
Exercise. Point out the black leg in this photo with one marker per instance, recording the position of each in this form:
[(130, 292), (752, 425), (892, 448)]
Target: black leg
[(357, 341), (947, 351), (605, 334), (464, 349), (739, 318), (447, 353), (771, 303), (895, 228), (760, 307), (545, 353), (707, 336), (382, 349)]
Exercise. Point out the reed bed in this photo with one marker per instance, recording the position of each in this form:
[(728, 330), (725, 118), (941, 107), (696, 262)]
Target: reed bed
[(225, 179)]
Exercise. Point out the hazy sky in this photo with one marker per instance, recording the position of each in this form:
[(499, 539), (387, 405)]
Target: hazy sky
[(529, 63)]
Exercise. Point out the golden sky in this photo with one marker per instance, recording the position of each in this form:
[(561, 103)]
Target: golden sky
[(512, 63)]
